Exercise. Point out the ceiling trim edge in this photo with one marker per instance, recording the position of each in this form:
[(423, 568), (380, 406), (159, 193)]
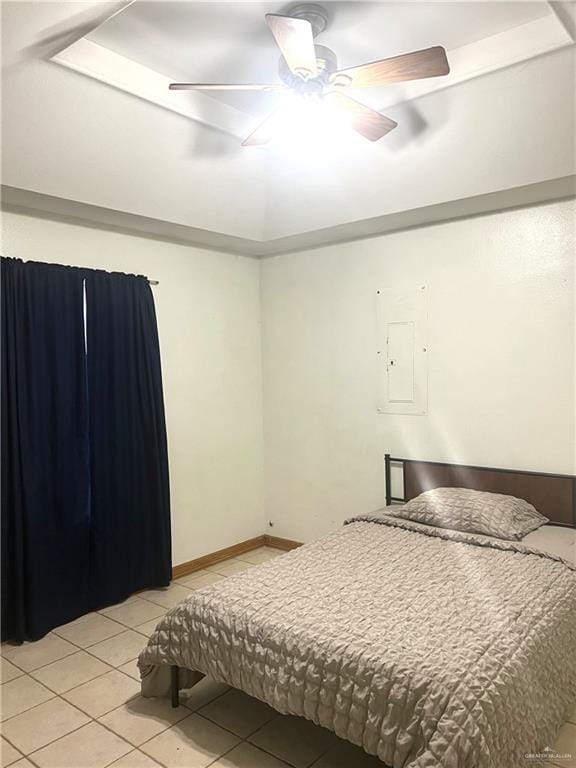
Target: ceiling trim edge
[(32, 203), (540, 193), (112, 69)]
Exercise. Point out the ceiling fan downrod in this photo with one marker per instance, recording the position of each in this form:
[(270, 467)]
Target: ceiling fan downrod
[(314, 14)]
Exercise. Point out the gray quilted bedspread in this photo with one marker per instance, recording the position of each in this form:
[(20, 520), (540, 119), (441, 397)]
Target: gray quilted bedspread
[(424, 648)]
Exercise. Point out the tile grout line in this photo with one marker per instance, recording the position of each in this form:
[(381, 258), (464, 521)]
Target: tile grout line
[(245, 740), (224, 728), (76, 646), (74, 687), (29, 755), (91, 719), (34, 763), (48, 743), (78, 649), (204, 717), (190, 712), (250, 744), (60, 695), (74, 706), (105, 662), (86, 649), (13, 746), (29, 672)]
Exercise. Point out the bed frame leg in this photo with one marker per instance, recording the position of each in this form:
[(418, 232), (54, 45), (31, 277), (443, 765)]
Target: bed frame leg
[(174, 692)]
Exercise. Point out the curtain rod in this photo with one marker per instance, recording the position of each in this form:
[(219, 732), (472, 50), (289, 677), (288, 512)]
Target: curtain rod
[(153, 282)]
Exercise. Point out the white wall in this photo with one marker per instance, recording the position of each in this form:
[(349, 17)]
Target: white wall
[(208, 312), (501, 380), (501, 360)]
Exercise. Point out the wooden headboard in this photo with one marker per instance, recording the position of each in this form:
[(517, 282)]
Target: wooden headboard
[(552, 495)]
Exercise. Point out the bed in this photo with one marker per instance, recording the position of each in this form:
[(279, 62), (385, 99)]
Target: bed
[(424, 646)]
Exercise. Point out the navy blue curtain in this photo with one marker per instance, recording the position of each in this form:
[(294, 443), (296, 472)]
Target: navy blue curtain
[(130, 542), (85, 496), (45, 476)]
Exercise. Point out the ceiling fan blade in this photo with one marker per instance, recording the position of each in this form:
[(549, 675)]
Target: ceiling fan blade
[(226, 87), (295, 40), (371, 124), (431, 62)]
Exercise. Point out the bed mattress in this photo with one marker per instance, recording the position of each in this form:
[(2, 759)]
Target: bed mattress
[(424, 647), (555, 540)]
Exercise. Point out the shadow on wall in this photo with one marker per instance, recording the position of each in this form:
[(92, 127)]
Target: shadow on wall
[(207, 142), (59, 36), (414, 126)]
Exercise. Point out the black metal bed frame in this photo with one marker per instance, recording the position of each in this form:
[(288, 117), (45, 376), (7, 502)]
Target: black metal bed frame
[(388, 461), (174, 690)]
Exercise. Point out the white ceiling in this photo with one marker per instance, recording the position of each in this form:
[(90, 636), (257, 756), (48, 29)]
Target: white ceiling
[(506, 120), (230, 42)]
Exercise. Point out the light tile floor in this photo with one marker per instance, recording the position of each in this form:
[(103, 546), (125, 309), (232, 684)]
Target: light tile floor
[(71, 700)]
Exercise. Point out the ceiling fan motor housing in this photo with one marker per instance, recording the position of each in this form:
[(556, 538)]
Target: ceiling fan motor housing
[(327, 64)]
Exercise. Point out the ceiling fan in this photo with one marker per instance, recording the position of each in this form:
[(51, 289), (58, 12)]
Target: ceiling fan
[(311, 71)]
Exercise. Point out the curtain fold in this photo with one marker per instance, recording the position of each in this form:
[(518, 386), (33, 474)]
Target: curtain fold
[(130, 537), (85, 488), (45, 474)]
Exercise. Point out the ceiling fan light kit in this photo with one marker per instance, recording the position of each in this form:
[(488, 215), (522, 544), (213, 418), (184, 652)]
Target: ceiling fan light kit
[(311, 72)]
